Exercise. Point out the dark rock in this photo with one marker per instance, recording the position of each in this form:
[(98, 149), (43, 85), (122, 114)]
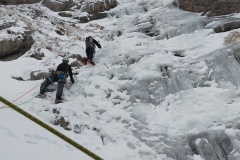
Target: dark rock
[(18, 78), (96, 16), (91, 17), (59, 32), (99, 6), (75, 64), (14, 2), (37, 75), (227, 27), (63, 123), (96, 10), (58, 6), (65, 14), (211, 7), (233, 39), (37, 56), (7, 25), (55, 110), (77, 56), (83, 19), (11, 49), (119, 33)]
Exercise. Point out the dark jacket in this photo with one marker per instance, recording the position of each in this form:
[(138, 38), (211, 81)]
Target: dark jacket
[(95, 42), (91, 43), (66, 68)]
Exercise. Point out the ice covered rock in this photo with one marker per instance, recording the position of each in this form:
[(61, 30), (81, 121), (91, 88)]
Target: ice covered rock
[(15, 41), (95, 10)]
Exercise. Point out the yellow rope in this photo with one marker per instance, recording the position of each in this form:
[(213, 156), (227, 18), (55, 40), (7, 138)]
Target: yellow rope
[(50, 129)]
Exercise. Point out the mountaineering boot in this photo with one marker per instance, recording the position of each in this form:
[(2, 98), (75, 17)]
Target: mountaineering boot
[(41, 95), (90, 61), (84, 60), (58, 101)]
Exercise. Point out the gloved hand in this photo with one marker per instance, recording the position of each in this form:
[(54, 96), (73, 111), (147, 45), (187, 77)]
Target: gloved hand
[(72, 80), (99, 46)]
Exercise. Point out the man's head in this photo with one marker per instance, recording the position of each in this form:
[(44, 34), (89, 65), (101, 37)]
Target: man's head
[(65, 59)]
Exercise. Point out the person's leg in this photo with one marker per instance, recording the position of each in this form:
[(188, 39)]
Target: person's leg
[(59, 90), (44, 85), (90, 52)]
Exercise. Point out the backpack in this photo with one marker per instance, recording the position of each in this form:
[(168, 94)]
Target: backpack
[(89, 42)]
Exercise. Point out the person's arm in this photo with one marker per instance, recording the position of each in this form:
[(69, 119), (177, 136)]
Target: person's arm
[(70, 73), (95, 42)]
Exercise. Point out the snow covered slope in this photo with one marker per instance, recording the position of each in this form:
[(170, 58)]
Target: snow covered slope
[(165, 86)]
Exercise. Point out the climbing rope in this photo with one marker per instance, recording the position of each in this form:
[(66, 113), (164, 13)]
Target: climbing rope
[(23, 96), (50, 129)]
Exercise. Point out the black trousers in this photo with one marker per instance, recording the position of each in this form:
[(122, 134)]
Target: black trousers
[(60, 89), (45, 84), (90, 52), (49, 81)]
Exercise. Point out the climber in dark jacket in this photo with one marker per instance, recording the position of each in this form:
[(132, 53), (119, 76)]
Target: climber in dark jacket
[(60, 76), (90, 48)]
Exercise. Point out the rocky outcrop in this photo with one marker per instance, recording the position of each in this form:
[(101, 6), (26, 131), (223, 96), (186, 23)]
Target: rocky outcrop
[(227, 27), (99, 6), (37, 56), (38, 75), (65, 14), (211, 7), (57, 6), (7, 25), (15, 40), (13, 48), (233, 38), (96, 10), (14, 2)]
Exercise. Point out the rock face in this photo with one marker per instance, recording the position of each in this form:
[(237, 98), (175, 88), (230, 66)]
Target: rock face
[(58, 6), (37, 75), (15, 40), (17, 47), (95, 10), (13, 2), (99, 6), (227, 27), (211, 7)]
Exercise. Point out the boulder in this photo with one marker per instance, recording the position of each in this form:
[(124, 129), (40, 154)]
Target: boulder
[(76, 64), (65, 14), (57, 6), (77, 56), (14, 2), (227, 27), (96, 10), (13, 48), (7, 25), (211, 7), (37, 56), (99, 6), (38, 75)]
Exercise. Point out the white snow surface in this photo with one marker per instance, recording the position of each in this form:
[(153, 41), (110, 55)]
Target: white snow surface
[(137, 93)]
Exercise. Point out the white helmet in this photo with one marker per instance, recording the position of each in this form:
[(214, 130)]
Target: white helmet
[(65, 59)]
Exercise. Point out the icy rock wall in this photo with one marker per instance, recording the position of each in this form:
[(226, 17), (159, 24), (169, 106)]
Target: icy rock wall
[(220, 66), (225, 67), (154, 89), (210, 145)]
